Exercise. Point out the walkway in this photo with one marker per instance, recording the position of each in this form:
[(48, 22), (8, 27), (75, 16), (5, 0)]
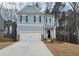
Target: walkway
[(31, 47)]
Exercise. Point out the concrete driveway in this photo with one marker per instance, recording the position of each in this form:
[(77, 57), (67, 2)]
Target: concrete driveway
[(31, 47)]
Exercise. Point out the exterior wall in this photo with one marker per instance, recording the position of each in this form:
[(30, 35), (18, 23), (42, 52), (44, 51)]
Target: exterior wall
[(30, 19), (52, 32), (32, 26), (48, 20), (29, 26), (49, 24)]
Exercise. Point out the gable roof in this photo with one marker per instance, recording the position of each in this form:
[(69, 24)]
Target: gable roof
[(30, 9)]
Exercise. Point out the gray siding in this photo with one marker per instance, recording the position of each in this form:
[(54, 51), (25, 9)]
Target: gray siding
[(30, 19), (30, 28), (31, 11)]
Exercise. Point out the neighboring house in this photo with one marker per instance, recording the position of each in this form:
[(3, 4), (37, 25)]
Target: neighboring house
[(1, 26), (32, 23)]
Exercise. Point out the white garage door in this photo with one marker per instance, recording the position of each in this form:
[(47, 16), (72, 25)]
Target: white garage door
[(30, 37)]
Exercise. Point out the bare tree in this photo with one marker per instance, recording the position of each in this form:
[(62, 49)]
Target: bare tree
[(75, 8), (57, 12)]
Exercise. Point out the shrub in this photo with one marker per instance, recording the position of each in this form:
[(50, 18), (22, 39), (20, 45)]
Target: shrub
[(49, 40)]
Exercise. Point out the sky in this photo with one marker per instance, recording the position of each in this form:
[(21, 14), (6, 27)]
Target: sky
[(20, 5), (67, 7)]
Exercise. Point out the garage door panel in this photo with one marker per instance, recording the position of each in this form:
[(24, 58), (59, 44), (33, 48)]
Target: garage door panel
[(30, 36)]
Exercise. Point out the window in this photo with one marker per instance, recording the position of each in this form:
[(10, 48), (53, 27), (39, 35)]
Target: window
[(46, 20), (34, 19), (50, 20), (40, 19), (20, 18), (26, 18)]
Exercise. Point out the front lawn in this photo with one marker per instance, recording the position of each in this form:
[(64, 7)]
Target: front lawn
[(63, 49), (5, 44)]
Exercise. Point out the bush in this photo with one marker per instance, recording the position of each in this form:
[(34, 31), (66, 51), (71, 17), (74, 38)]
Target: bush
[(50, 40), (43, 39)]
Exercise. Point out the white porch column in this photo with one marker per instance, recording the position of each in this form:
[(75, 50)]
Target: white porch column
[(52, 33)]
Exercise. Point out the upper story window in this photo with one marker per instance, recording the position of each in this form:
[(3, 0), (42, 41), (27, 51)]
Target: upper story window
[(46, 20), (26, 18), (40, 19), (34, 19), (50, 20), (20, 18)]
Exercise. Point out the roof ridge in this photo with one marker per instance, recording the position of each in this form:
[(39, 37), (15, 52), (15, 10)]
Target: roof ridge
[(30, 6)]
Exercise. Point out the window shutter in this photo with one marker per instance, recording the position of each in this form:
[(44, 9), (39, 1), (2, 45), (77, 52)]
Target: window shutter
[(34, 19), (46, 20), (26, 18), (40, 19), (50, 20), (20, 18)]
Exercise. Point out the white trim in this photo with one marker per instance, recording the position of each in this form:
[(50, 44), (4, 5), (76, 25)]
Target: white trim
[(29, 24), (29, 32)]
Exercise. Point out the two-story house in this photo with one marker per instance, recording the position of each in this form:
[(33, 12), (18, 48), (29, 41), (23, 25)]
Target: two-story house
[(31, 23)]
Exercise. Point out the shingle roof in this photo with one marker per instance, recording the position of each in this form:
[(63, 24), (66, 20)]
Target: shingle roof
[(29, 9)]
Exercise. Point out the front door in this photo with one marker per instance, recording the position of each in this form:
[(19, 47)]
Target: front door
[(48, 33)]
